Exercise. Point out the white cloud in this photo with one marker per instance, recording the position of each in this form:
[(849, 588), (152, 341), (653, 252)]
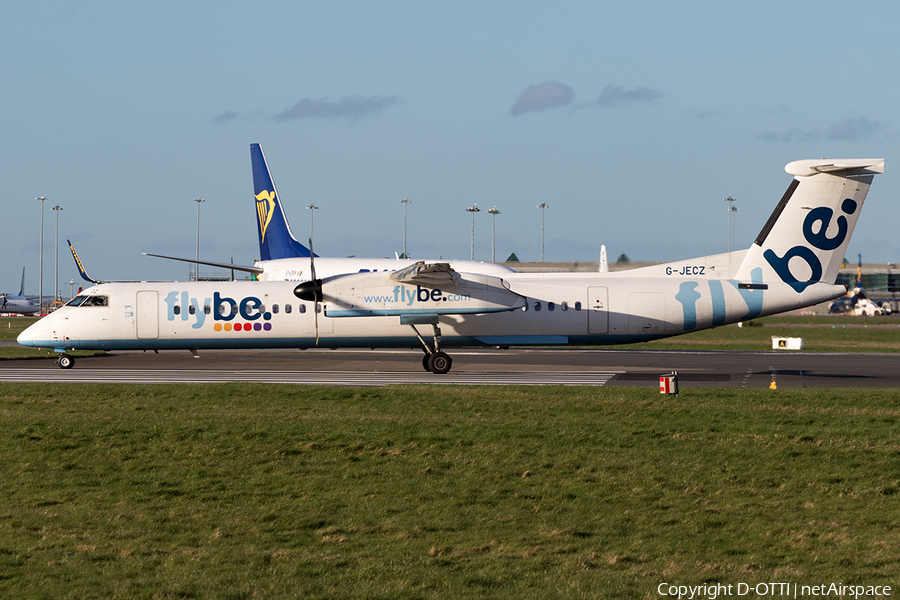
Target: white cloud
[(349, 107), (616, 95), (535, 98)]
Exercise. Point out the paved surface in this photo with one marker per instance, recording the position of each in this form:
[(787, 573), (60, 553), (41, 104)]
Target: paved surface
[(499, 367)]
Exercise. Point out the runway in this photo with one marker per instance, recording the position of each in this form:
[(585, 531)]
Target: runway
[(751, 370)]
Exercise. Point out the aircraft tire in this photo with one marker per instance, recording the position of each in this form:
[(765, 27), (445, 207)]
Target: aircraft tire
[(439, 363), (425, 360), (65, 361)]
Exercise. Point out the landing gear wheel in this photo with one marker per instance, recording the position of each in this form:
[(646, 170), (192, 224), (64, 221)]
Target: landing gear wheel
[(425, 362), (439, 363), (65, 361)]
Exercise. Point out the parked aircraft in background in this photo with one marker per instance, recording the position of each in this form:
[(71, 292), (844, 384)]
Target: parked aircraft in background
[(855, 300), (283, 258), (18, 303), (793, 263)]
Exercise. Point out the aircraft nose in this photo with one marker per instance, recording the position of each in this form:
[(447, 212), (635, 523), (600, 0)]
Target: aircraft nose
[(28, 337)]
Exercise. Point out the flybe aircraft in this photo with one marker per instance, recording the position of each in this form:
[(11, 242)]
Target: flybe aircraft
[(283, 258), (793, 263), (18, 304)]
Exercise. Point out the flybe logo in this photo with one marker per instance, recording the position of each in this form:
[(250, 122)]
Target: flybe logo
[(815, 232), (265, 205), (246, 312), (405, 295)]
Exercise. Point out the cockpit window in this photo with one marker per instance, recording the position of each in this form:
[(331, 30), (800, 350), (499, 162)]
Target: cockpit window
[(77, 301), (85, 300)]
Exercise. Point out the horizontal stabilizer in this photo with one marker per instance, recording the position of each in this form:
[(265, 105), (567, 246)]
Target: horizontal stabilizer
[(844, 167)]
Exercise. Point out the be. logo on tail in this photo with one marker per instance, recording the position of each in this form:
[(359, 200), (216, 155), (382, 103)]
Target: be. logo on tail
[(265, 203), (815, 231)]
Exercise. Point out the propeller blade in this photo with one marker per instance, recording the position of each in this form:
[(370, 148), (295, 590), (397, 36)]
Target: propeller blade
[(318, 282)]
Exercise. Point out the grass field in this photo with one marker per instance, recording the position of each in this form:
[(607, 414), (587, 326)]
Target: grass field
[(268, 491)]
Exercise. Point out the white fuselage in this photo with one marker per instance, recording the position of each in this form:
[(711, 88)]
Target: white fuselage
[(557, 308)]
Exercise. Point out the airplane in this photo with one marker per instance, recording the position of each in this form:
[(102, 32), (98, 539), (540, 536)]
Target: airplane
[(793, 263), (857, 302), (18, 303), (283, 258)]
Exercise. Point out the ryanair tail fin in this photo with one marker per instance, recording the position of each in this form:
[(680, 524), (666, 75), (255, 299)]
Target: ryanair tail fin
[(275, 237), (78, 264), (806, 238)]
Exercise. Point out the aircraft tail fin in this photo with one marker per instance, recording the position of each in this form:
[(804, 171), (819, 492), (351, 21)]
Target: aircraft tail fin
[(806, 238), (22, 287), (78, 264), (275, 237)]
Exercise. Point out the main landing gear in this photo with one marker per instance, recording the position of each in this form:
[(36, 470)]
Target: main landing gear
[(434, 360), (65, 361)]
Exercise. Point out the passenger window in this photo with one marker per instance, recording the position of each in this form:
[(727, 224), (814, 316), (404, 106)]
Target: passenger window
[(564, 306), (551, 306), (301, 308), (207, 309), (537, 307), (192, 310), (176, 309), (274, 309), (578, 306), (287, 309)]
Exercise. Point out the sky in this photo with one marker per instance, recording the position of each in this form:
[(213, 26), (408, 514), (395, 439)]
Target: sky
[(631, 121)]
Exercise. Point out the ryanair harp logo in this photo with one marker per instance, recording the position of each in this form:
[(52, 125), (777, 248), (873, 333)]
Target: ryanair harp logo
[(265, 205)]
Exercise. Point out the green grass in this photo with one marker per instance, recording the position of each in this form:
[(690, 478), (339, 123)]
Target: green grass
[(268, 491)]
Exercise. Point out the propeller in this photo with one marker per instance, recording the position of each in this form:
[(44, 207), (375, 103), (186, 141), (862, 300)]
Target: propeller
[(3, 306), (311, 291)]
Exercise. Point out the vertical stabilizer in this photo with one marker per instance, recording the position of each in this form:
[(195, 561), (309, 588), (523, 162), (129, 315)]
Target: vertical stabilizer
[(275, 237), (806, 238), (22, 287), (604, 264)]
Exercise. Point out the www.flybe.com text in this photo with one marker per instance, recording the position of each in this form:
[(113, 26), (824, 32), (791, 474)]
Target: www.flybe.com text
[(405, 295)]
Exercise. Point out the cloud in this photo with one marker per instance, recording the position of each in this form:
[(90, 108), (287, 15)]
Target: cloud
[(848, 130), (791, 136), (616, 95), (226, 116), (535, 98), (706, 113), (348, 107), (854, 130)]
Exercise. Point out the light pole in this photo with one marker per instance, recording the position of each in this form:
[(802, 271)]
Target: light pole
[(311, 208), (41, 267), (197, 265), (473, 209), (731, 210), (56, 209), (542, 206), (493, 212), (405, 202), (71, 284)]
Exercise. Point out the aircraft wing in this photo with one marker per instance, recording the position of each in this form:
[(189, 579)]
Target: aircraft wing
[(418, 293), (433, 275), (246, 269)]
